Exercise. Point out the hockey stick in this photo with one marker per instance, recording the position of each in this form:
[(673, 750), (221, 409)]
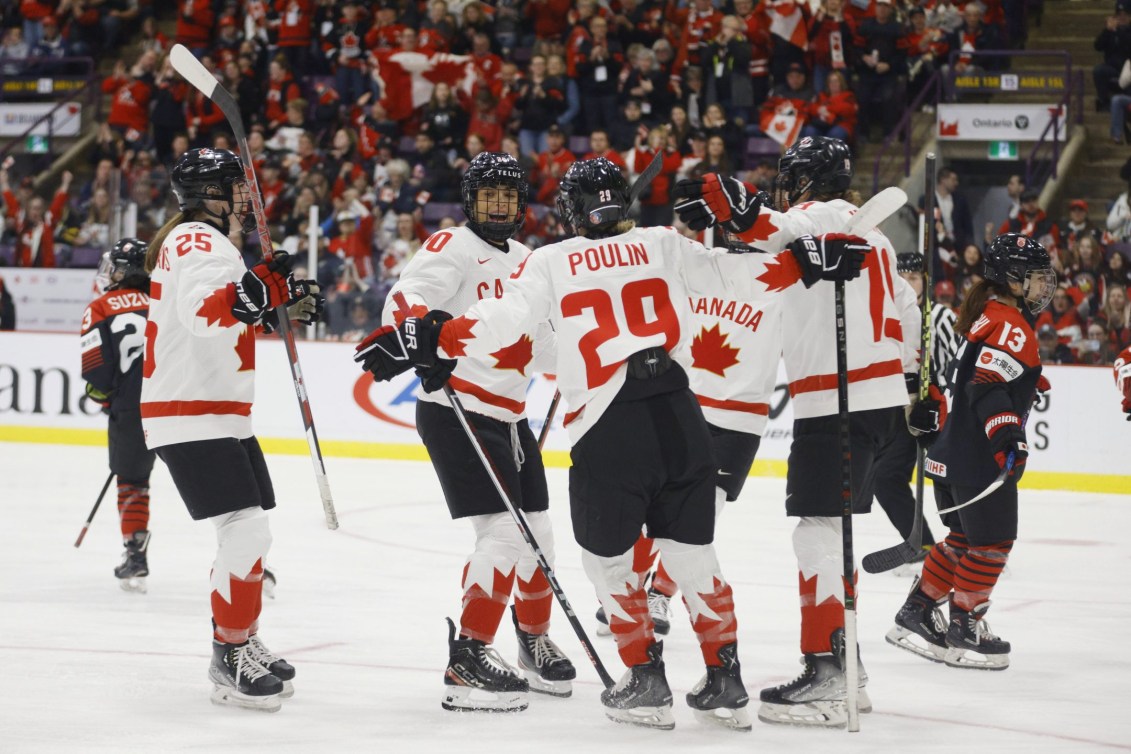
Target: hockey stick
[(528, 535), (906, 551), (196, 74), (549, 419), (94, 510), (876, 210), (647, 175), (996, 483)]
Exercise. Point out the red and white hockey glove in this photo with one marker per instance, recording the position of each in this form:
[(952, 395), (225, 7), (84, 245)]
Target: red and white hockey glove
[(1042, 395), (1007, 437), (715, 199), (835, 256), (266, 286), (389, 351), (305, 310)]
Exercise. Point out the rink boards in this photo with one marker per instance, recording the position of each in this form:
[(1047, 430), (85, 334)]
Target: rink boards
[(1078, 441)]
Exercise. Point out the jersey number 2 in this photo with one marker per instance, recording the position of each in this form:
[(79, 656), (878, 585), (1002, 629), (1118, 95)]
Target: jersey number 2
[(132, 343), (633, 296)]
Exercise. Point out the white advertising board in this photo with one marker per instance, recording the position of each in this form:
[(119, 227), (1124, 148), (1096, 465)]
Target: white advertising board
[(17, 117), (1015, 122), (50, 300), (1078, 441)]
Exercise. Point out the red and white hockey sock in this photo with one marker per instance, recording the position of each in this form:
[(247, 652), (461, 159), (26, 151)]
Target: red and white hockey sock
[(533, 598), (626, 605), (662, 582), (488, 576), (709, 599), (133, 506), (938, 568), (977, 573), (643, 556), (817, 544), (237, 574)]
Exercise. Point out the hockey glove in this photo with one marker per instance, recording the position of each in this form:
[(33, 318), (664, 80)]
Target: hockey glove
[(305, 310), (389, 351), (1007, 437), (835, 256), (1041, 397), (714, 199), (923, 419), (266, 286), (99, 397)]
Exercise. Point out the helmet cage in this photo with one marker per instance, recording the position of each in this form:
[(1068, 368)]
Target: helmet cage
[(494, 170)]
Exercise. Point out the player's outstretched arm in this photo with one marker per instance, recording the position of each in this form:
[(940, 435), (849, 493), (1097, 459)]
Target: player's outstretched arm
[(391, 350)]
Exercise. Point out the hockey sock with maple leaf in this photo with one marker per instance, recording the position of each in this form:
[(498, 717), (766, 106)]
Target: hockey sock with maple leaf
[(237, 573), (533, 599), (625, 603), (488, 575), (707, 596), (817, 544)]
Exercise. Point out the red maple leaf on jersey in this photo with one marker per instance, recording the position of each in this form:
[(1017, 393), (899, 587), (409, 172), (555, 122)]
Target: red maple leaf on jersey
[(781, 272), (218, 306), (416, 310), (761, 230), (516, 356), (245, 349), (711, 352), (454, 336)]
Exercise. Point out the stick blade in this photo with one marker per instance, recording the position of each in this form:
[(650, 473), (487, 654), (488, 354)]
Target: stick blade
[(647, 175), (193, 70), (877, 209), (885, 560)]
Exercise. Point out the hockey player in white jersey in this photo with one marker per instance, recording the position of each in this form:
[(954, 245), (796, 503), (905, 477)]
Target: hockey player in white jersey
[(618, 300), (198, 383), (455, 269), (810, 190)]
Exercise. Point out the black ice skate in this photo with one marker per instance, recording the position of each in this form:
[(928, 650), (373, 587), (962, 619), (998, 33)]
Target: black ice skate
[(546, 669), (642, 697), (134, 568), (818, 697), (240, 681), (720, 698), (970, 643), (276, 666), (919, 626), (478, 680), (268, 584)]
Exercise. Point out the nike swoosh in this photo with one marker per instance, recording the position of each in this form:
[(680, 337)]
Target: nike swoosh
[(484, 261), (724, 473)]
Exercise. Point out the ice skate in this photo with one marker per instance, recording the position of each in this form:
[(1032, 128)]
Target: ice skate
[(276, 666), (478, 680), (970, 644), (642, 697), (240, 681), (134, 567), (720, 698), (547, 669), (818, 697), (268, 584), (659, 607), (919, 627)]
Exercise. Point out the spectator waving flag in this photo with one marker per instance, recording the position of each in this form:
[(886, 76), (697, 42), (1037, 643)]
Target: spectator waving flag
[(782, 122), (408, 77), (787, 22)]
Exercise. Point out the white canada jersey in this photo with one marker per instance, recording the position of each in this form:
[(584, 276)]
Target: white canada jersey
[(874, 321), (607, 299), (198, 376), (735, 350), (453, 270)]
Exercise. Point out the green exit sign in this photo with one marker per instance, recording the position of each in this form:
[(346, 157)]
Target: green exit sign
[(36, 145), (1003, 150)]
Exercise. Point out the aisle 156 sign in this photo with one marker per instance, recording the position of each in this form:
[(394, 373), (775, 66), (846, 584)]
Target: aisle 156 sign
[(1019, 122)]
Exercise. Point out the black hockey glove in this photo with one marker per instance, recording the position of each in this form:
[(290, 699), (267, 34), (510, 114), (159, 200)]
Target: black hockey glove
[(1007, 437), (389, 351), (266, 286), (305, 310), (923, 418), (835, 256), (714, 199)]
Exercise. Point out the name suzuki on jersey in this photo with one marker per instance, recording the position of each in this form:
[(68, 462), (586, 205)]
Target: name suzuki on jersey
[(608, 255)]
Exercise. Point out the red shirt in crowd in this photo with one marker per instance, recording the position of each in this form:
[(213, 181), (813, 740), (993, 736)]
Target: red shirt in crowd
[(194, 23), (296, 17), (548, 170), (699, 29), (279, 93), (33, 10), (130, 107), (203, 114), (835, 110), (550, 17), (1069, 328), (611, 155), (35, 243)]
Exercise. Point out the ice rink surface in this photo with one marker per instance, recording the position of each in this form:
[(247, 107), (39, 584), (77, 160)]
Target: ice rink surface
[(86, 667)]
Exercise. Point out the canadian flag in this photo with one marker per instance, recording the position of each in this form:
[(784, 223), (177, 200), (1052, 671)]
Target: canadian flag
[(949, 130), (787, 22), (408, 77), (782, 123)]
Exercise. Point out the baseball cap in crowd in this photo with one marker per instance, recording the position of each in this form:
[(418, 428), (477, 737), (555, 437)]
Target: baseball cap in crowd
[(944, 288), (1078, 204)]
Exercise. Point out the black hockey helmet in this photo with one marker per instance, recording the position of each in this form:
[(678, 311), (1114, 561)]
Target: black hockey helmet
[(593, 196), (125, 261), (815, 164), (909, 261), (207, 174), (1014, 258), (494, 170)]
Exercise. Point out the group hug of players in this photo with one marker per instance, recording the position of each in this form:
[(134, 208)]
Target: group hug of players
[(665, 353)]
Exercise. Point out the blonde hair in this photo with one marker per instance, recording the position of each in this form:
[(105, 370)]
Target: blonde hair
[(159, 239)]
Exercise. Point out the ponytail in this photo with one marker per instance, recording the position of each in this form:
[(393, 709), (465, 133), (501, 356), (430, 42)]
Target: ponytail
[(975, 303), (159, 239)]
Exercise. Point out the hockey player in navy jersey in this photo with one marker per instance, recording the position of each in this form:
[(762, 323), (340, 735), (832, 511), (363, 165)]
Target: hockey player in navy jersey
[(196, 396), (618, 298), (455, 269), (993, 381), (113, 339)]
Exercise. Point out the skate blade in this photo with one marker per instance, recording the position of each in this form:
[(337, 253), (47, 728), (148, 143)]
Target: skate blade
[(829, 714), (134, 584), (229, 697), (969, 659), (909, 641), (731, 719), (540, 685), (468, 699), (288, 690), (660, 718)]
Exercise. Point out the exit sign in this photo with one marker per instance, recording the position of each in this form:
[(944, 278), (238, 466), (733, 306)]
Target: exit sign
[(36, 145), (1003, 150)]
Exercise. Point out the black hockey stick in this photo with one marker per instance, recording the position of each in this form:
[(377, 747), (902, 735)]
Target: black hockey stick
[(94, 510), (528, 535), (851, 660), (549, 419), (196, 74), (647, 175), (996, 483), (909, 549)]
